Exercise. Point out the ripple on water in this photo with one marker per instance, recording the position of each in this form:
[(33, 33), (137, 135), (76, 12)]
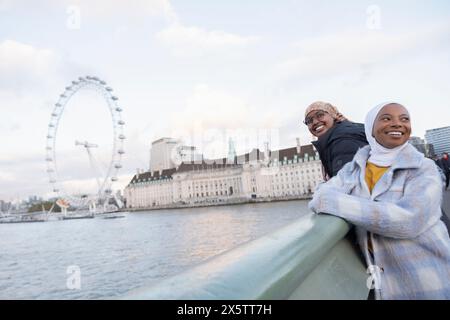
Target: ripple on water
[(114, 258)]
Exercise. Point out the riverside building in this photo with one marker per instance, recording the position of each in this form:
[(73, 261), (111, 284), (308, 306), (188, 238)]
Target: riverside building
[(426, 148), (270, 175), (440, 139)]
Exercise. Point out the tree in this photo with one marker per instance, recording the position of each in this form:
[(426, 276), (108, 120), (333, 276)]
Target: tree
[(47, 206)]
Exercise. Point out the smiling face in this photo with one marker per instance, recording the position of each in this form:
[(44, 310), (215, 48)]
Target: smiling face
[(392, 127), (319, 122)]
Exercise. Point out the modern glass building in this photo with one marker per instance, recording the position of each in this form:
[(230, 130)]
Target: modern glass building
[(440, 139), (426, 148)]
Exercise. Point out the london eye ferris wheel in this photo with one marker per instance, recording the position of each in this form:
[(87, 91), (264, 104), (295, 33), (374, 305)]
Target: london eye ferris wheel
[(105, 180)]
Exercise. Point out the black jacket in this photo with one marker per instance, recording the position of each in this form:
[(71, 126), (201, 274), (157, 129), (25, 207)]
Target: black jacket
[(339, 144), (440, 164), (446, 165)]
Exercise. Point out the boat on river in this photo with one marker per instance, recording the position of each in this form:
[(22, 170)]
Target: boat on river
[(22, 217), (75, 215)]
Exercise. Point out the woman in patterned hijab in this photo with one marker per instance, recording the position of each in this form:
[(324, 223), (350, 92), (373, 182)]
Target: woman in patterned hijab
[(338, 138)]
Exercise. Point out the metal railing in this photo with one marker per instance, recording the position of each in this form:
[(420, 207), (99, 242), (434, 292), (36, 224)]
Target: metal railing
[(308, 259)]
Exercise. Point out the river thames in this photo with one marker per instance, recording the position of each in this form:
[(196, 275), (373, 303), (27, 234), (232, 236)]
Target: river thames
[(119, 255)]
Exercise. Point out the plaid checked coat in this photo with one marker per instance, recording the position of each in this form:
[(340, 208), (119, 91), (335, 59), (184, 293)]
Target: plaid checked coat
[(411, 245)]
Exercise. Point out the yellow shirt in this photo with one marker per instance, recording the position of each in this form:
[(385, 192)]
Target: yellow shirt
[(373, 174)]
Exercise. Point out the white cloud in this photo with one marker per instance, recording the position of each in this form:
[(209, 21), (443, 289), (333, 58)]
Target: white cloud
[(24, 65), (16, 170), (123, 9), (213, 116), (335, 54), (5, 4), (210, 108), (207, 108), (182, 40), (194, 41), (6, 177)]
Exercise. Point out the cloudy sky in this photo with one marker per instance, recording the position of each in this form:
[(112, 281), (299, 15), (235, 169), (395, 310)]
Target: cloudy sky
[(205, 71)]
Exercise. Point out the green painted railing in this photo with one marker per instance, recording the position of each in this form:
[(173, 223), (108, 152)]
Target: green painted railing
[(308, 259)]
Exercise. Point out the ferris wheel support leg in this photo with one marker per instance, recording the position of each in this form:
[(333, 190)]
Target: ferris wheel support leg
[(92, 207)]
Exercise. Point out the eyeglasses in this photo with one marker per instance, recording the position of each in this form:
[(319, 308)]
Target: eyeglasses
[(318, 115)]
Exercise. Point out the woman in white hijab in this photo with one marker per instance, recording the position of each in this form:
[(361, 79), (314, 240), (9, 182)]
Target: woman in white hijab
[(379, 154), (392, 194)]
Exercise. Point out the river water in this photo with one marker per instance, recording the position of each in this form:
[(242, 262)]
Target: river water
[(101, 259)]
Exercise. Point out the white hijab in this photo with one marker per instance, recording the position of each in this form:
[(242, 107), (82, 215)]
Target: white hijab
[(379, 155)]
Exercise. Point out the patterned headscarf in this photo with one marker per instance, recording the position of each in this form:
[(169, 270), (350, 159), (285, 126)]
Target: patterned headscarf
[(327, 107)]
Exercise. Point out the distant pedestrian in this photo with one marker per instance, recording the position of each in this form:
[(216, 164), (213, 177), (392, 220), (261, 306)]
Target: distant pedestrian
[(440, 165), (446, 168)]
